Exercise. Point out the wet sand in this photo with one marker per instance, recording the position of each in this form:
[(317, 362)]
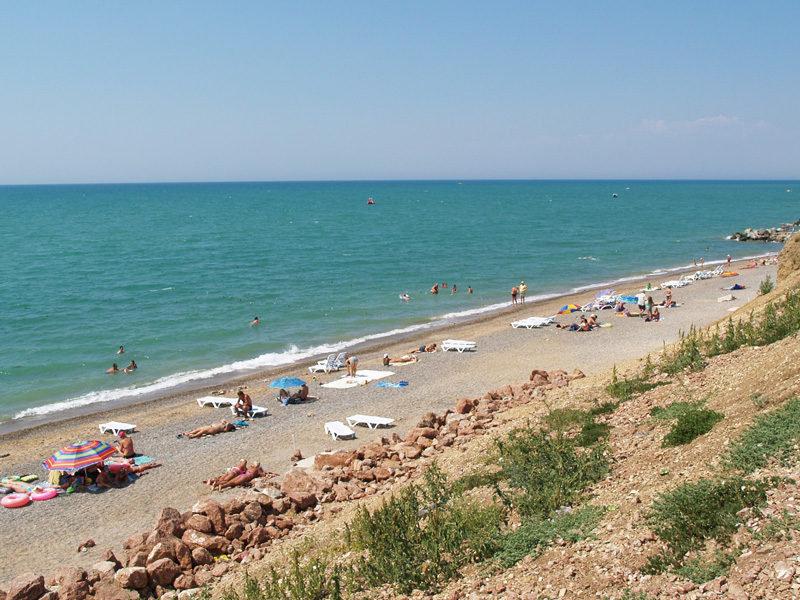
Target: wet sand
[(53, 529)]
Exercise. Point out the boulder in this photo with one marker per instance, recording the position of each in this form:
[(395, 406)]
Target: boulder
[(28, 586), (200, 523), (132, 577), (64, 574), (253, 511), (109, 589), (576, 374), (463, 406), (170, 522), (104, 569), (212, 543), (298, 481), (259, 535), (185, 581), (264, 497), (219, 569), (233, 532), (539, 373), (139, 559), (206, 577), (233, 506), (163, 571), (303, 500), (413, 451), (201, 556), (135, 541), (212, 509), (168, 547)]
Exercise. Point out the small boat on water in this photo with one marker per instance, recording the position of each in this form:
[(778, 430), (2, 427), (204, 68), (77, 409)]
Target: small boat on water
[(370, 201)]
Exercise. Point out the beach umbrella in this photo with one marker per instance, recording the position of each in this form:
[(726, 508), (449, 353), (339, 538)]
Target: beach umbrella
[(569, 308), (287, 382), (79, 455)]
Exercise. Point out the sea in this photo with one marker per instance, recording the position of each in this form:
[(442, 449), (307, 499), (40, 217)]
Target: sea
[(176, 273)]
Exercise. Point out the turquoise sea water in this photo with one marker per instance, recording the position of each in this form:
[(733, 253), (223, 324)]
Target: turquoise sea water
[(176, 272)]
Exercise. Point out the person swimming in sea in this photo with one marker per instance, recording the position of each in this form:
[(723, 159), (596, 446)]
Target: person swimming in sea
[(114, 369), (254, 322), (405, 297)]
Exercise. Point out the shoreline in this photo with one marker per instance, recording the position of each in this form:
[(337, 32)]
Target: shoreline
[(376, 342), (504, 356)]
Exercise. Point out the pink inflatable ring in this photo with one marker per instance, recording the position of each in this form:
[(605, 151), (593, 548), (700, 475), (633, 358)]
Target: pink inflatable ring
[(44, 494), (15, 500)]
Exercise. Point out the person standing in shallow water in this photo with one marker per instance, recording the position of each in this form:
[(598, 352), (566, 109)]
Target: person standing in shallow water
[(522, 289), (514, 292)]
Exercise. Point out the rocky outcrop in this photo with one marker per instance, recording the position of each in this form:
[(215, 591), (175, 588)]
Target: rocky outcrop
[(773, 234)]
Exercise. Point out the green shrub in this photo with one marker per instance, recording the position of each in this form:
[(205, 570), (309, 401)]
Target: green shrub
[(421, 537), (546, 470), (766, 286), (687, 356), (672, 411), (535, 535), (592, 432), (690, 425), (772, 435), (685, 518), (625, 389), (314, 579), (699, 569)]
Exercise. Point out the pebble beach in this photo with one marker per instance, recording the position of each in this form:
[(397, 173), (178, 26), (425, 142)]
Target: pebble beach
[(54, 529)]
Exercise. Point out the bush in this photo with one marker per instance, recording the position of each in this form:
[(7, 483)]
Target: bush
[(625, 389), (567, 419), (772, 435), (766, 286), (546, 470), (315, 579), (687, 357), (535, 535), (690, 425), (695, 512), (422, 536)]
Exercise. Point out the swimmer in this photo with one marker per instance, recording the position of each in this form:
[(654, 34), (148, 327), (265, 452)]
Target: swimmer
[(131, 366), (114, 369), (454, 288), (254, 322), (435, 288), (469, 289), (121, 350), (404, 297)]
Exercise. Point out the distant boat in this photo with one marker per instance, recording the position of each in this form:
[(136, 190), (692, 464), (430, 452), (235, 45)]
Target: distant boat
[(370, 201)]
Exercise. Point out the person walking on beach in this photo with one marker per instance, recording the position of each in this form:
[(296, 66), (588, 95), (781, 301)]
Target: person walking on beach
[(641, 299), (522, 289), (244, 405), (729, 260), (514, 292)]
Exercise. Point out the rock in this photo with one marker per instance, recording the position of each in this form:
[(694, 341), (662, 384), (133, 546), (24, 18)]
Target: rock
[(163, 571), (136, 540), (64, 574), (185, 581), (86, 545), (259, 535), (253, 511), (75, 590), (139, 559), (233, 506), (297, 456), (131, 577), (28, 586), (576, 374), (51, 595), (233, 532), (303, 500), (413, 451), (298, 481), (109, 589), (540, 373), (200, 523), (205, 577), (212, 509), (104, 569), (463, 406), (212, 543), (201, 556), (219, 569), (170, 522)]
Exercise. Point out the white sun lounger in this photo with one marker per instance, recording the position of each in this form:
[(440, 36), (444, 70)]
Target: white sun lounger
[(458, 345), (531, 322), (371, 422), (115, 427), (339, 430), (255, 411), (325, 366), (216, 401)]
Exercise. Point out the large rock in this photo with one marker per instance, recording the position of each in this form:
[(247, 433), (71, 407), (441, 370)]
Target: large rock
[(303, 500), (212, 509), (28, 586), (212, 543), (163, 571), (136, 540), (162, 545), (253, 511), (109, 589), (64, 574), (201, 556), (200, 523), (418, 432), (74, 590), (104, 569), (332, 459), (233, 506), (298, 481), (186, 581), (171, 522), (131, 577), (463, 406)]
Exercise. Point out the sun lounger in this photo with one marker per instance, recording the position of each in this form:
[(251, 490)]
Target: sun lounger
[(531, 322), (115, 427), (458, 345), (338, 363), (255, 411), (325, 366), (339, 430), (371, 422), (216, 401)]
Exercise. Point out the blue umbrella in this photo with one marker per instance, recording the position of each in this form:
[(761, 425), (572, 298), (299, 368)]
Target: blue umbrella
[(287, 382)]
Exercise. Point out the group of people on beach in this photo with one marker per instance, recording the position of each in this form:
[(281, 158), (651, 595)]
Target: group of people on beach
[(241, 474), (518, 290), (115, 368), (454, 289)]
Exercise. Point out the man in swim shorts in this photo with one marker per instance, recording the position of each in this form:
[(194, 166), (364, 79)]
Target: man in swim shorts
[(424, 348), (514, 292), (125, 445), (244, 405)]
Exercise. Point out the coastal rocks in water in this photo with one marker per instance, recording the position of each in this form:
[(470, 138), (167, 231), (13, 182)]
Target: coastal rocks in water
[(28, 586), (773, 234)]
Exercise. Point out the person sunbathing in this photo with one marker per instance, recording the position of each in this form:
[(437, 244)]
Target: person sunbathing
[(252, 472), (301, 394), (126, 469), (424, 348), (592, 321), (213, 429), (403, 359), (229, 474)]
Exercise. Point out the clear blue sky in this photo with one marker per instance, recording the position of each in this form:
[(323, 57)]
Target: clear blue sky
[(322, 90)]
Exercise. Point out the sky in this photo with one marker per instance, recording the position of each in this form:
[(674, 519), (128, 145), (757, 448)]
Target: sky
[(114, 92)]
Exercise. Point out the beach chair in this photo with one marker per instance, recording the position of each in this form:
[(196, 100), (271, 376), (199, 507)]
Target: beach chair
[(339, 430), (458, 345), (325, 366), (371, 422), (532, 322), (255, 411), (718, 271), (115, 427), (339, 362), (216, 401)]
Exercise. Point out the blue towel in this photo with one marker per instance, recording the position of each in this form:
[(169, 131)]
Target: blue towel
[(240, 424), (389, 384)]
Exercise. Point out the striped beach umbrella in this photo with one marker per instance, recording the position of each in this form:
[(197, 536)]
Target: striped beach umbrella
[(79, 455), (569, 308)]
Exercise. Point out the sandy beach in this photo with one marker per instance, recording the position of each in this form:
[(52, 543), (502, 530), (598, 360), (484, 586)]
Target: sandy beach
[(54, 529)]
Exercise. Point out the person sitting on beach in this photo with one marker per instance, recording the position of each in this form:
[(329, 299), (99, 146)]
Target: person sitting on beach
[(251, 473), (435, 288), (592, 321), (131, 366), (301, 394), (283, 396), (228, 475), (125, 445), (424, 348), (243, 405), (656, 315), (114, 369), (106, 479), (584, 326), (127, 469), (619, 309), (213, 429)]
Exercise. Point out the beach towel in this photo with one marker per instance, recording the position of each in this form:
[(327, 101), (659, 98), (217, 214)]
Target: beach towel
[(143, 460), (239, 424), (392, 384), (363, 378)]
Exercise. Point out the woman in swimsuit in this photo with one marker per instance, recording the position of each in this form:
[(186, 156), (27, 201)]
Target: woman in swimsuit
[(212, 429), (229, 474)]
